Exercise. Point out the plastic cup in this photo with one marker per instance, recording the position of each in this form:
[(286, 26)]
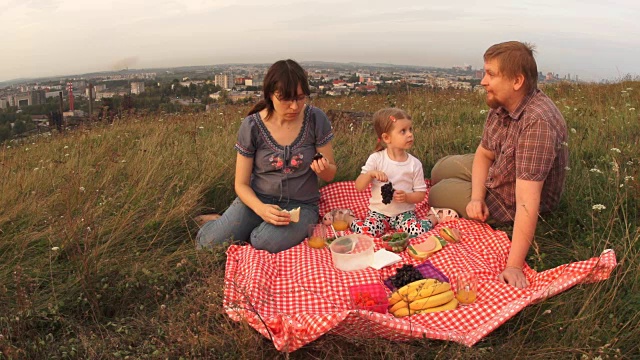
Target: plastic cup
[(466, 288), (317, 236)]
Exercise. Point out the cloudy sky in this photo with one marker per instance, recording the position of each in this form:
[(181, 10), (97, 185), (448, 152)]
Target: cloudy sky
[(593, 39)]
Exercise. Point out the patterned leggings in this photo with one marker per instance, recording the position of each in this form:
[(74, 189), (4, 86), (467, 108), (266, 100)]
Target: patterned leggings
[(376, 224)]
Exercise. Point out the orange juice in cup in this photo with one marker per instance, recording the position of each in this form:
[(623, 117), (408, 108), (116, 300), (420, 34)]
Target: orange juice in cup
[(317, 236), (340, 222), (466, 288)]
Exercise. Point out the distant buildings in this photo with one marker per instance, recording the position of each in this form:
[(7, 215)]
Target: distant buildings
[(225, 81), (33, 97), (137, 88)]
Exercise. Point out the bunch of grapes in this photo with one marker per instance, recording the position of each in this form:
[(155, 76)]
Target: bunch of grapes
[(405, 275), (387, 193)]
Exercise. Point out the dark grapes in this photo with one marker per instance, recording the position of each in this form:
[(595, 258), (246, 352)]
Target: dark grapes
[(317, 156), (387, 193), (405, 275)]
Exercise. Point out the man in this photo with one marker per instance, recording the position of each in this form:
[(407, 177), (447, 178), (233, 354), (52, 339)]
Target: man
[(518, 170)]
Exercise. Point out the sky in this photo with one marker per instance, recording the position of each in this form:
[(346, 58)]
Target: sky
[(592, 39)]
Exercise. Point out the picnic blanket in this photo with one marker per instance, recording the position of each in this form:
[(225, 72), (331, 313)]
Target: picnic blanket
[(295, 296)]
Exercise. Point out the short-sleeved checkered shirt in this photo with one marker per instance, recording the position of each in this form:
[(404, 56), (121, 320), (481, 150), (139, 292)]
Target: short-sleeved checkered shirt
[(529, 144)]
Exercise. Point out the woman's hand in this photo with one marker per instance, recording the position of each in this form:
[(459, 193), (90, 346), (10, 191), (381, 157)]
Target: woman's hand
[(272, 214), (320, 166), (378, 175)]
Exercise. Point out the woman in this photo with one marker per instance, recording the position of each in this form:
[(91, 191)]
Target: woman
[(276, 169)]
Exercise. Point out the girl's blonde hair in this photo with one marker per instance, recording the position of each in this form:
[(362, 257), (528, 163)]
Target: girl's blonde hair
[(383, 121)]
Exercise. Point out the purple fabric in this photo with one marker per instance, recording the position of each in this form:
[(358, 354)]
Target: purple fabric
[(427, 270)]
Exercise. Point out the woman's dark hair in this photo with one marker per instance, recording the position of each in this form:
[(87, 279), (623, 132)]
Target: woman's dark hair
[(283, 77)]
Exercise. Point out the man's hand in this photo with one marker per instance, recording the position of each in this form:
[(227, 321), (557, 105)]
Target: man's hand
[(514, 277), (478, 210)]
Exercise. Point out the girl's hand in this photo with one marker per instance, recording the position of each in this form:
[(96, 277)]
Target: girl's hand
[(378, 175), (399, 196), (272, 214)]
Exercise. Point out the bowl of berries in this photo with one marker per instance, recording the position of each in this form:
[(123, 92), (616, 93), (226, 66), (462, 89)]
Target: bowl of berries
[(396, 242)]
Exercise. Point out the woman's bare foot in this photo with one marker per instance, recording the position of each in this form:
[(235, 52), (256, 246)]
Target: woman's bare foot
[(202, 219)]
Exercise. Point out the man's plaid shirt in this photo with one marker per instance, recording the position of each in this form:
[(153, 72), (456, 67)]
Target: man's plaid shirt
[(529, 144)]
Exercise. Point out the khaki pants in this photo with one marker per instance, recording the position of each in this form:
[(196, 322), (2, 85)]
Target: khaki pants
[(451, 183)]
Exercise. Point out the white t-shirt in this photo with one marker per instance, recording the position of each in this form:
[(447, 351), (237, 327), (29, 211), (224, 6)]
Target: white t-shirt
[(407, 176)]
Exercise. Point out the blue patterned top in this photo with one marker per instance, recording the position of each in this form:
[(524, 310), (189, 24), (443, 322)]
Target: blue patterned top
[(284, 172)]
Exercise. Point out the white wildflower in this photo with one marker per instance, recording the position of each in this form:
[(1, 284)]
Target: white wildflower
[(65, 147), (66, 154), (628, 178), (567, 168), (621, 185), (630, 162), (81, 189), (200, 127), (55, 248), (616, 150), (596, 170), (573, 131), (632, 109), (483, 111), (598, 207), (35, 169), (564, 143), (124, 161), (547, 312)]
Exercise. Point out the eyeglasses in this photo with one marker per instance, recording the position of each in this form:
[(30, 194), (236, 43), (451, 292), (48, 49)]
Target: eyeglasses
[(289, 102)]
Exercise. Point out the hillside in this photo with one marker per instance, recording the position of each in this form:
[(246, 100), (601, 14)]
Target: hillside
[(97, 254)]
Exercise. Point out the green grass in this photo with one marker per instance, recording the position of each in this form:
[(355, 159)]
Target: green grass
[(117, 202)]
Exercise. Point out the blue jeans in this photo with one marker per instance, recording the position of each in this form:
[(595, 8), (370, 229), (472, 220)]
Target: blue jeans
[(240, 223)]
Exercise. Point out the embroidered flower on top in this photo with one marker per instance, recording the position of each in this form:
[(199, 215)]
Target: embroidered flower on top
[(296, 160), (277, 162)]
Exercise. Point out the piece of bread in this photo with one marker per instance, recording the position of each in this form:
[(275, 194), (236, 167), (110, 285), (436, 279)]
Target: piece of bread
[(295, 214)]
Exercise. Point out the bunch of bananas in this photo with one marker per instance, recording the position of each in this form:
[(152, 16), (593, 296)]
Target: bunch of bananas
[(422, 296)]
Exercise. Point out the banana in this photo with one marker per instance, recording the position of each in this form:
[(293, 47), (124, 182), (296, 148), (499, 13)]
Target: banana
[(432, 301), (400, 304), (403, 311), (431, 289), (401, 293), (448, 306)]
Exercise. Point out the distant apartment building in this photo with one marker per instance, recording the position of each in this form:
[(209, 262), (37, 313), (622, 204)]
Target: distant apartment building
[(50, 94), (225, 81), (257, 81), (34, 97), (4, 103), (137, 87)]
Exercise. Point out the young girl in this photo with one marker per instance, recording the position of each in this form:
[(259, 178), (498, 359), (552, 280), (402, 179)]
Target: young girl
[(391, 163)]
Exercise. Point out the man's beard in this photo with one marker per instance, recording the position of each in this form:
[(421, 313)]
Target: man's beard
[(493, 103)]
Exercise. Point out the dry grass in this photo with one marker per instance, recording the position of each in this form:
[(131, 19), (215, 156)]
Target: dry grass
[(116, 203)]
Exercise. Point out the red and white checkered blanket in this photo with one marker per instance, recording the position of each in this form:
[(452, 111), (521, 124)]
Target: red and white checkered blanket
[(295, 296)]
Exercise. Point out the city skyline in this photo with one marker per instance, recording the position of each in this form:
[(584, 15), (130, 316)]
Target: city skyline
[(56, 37)]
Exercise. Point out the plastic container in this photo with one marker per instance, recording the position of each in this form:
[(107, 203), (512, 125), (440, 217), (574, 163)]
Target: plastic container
[(369, 297), (352, 252), (396, 242)]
